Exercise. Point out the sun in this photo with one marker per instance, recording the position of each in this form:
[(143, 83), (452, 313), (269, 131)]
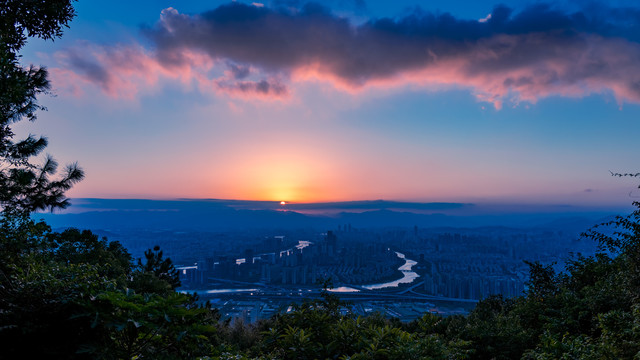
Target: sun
[(283, 203)]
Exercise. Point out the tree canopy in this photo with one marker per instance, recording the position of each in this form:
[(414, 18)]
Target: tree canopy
[(25, 186), (70, 294)]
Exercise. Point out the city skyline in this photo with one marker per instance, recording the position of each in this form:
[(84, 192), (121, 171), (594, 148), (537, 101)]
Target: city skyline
[(351, 100)]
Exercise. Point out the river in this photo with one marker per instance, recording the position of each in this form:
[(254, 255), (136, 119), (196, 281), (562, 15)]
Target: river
[(408, 275)]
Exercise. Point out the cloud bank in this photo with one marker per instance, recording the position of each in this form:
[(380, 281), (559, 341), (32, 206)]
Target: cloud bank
[(255, 51)]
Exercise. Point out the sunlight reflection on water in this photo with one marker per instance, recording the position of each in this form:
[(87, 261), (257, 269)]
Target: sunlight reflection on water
[(408, 276)]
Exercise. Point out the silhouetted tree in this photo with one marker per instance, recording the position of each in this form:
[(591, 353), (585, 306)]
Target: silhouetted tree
[(25, 186), (156, 274)]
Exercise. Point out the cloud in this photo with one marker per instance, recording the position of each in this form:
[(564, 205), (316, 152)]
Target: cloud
[(125, 72), (508, 56), (485, 19), (357, 6), (262, 87), (239, 71)]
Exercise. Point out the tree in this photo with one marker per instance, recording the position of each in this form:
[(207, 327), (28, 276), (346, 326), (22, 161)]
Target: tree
[(25, 186), (71, 295), (150, 326), (156, 274), (35, 287), (44, 279)]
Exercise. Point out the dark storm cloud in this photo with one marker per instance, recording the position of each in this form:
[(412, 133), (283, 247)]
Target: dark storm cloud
[(359, 6), (280, 41), (523, 55)]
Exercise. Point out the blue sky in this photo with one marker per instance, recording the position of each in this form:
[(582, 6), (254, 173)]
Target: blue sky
[(278, 101)]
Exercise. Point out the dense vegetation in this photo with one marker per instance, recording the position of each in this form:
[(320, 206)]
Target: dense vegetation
[(71, 295)]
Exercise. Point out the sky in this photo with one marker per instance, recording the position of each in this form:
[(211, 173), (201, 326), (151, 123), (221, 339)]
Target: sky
[(285, 100)]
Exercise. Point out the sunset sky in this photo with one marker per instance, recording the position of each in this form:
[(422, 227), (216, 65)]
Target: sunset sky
[(348, 100)]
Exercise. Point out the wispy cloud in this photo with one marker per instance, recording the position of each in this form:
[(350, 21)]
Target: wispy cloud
[(127, 71), (253, 50)]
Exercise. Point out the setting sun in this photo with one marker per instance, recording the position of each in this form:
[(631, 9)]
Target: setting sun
[(281, 168)]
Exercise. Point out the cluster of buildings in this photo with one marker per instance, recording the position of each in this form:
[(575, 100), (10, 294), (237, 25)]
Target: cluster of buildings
[(477, 263), (251, 310), (458, 265), (476, 287), (305, 263)]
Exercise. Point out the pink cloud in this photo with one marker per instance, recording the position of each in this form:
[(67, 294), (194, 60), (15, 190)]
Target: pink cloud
[(127, 72), (567, 75), (249, 52)]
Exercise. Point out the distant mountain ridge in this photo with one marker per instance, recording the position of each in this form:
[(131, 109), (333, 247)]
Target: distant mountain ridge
[(146, 204), (219, 215)]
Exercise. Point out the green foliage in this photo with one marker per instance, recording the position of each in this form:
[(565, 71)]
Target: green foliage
[(156, 275), (72, 291), (495, 330), (316, 330), (85, 298), (148, 326), (35, 18), (71, 295), (24, 186), (41, 288)]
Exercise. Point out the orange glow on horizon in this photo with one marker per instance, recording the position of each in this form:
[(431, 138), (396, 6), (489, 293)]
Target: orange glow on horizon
[(282, 169)]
